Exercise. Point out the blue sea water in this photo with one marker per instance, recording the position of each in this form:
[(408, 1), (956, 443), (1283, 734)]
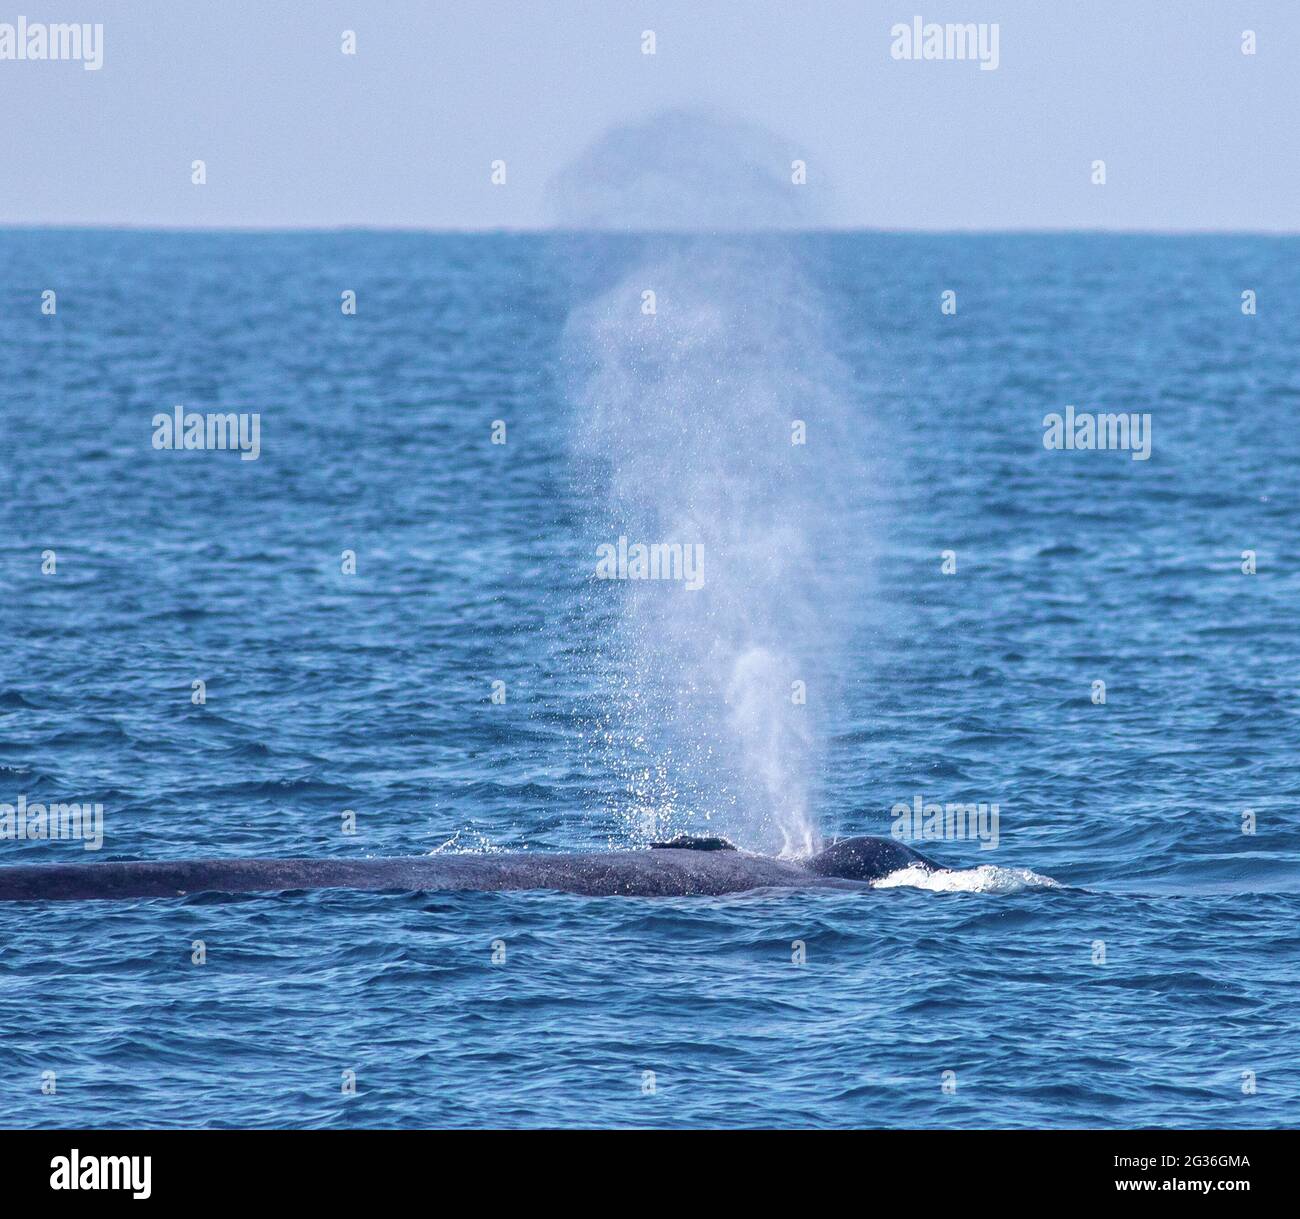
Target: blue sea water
[(1158, 986)]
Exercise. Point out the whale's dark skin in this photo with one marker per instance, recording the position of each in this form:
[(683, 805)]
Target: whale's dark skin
[(685, 867)]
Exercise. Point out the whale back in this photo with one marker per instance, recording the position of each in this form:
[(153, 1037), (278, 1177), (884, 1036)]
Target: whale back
[(681, 867), (867, 859)]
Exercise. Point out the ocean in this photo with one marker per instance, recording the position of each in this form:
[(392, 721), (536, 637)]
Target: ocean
[(394, 614)]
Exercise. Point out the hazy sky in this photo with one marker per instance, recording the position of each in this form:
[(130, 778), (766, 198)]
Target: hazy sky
[(1195, 135)]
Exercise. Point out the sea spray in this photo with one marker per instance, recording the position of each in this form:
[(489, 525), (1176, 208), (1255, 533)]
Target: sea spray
[(719, 419)]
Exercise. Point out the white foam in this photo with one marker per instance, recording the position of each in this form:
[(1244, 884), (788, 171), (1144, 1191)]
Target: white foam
[(987, 878)]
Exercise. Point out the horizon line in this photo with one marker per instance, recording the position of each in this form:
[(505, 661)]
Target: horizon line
[(17, 226)]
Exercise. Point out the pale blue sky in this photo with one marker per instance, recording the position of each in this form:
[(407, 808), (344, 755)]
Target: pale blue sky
[(1195, 135)]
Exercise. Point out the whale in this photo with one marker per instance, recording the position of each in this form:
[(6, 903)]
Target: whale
[(684, 866)]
